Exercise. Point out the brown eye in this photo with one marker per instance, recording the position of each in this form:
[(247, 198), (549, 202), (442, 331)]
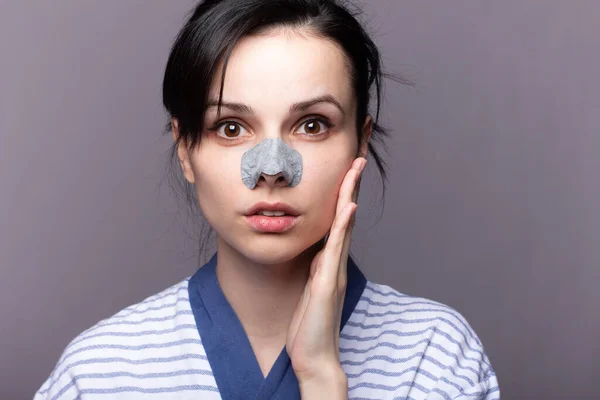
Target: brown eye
[(230, 130), (313, 127)]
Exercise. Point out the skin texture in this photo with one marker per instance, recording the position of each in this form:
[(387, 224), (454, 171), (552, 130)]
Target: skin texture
[(267, 277)]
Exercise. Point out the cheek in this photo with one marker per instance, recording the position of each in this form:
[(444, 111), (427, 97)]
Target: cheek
[(218, 182), (323, 178), (326, 165)]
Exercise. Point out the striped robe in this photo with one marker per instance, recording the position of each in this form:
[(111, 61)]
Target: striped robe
[(186, 342)]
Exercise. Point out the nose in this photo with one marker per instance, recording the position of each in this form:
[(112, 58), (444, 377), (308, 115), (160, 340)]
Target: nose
[(277, 180), (271, 163)]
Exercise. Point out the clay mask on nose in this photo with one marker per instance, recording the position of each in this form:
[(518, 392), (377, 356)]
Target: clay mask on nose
[(271, 157)]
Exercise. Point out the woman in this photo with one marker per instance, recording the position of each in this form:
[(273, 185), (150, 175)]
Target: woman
[(268, 103)]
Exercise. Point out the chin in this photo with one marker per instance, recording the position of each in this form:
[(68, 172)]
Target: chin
[(268, 256), (270, 249)]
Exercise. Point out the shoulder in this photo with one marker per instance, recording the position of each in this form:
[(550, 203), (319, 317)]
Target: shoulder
[(404, 344), (135, 337)]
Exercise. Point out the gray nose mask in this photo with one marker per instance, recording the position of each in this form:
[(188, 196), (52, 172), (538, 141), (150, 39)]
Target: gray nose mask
[(271, 157)]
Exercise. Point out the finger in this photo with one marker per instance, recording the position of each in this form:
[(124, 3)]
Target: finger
[(357, 189), (357, 186), (347, 189), (348, 194), (346, 243), (314, 265), (351, 180), (343, 260), (346, 246), (328, 272), (348, 186), (342, 277), (342, 226)]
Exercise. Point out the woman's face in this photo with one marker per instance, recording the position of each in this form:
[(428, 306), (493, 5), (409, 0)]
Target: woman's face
[(266, 76)]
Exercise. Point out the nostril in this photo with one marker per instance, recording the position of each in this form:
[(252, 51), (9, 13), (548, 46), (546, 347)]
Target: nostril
[(272, 180)]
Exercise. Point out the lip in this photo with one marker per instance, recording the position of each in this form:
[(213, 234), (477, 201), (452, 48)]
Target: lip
[(267, 224), (264, 224), (264, 206)]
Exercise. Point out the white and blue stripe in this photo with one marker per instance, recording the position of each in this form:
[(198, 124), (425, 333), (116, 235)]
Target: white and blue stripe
[(392, 346)]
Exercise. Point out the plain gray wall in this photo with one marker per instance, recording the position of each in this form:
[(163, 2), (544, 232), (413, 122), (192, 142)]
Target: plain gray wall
[(493, 204)]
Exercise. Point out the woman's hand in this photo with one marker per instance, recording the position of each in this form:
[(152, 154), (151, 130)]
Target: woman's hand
[(314, 333)]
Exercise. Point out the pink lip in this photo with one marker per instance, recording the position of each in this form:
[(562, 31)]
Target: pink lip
[(262, 223), (263, 206)]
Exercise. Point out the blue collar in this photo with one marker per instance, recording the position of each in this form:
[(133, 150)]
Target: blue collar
[(232, 360)]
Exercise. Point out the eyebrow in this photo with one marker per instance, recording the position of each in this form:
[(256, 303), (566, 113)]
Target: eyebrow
[(301, 106)]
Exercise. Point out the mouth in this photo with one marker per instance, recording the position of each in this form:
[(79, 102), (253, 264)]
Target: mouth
[(272, 210), (272, 218)]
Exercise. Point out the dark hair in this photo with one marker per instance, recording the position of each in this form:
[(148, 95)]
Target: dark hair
[(213, 29)]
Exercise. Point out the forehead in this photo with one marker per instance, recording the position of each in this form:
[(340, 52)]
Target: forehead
[(280, 67)]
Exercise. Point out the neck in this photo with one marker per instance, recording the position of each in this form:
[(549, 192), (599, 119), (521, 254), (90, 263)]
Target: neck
[(263, 296)]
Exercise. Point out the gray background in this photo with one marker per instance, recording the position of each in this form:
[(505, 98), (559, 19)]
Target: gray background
[(493, 205)]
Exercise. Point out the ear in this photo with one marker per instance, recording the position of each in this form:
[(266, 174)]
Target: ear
[(366, 130), (183, 153)]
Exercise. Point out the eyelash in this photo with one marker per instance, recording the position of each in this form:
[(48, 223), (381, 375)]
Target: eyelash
[(323, 120)]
